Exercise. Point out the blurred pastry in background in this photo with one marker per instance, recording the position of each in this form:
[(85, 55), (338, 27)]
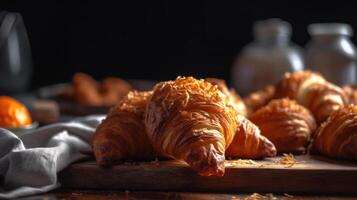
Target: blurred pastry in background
[(287, 124), (13, 113), (258, 99), (87, 91), (114, 89), (235, 99), (311, 90), (294, 85)]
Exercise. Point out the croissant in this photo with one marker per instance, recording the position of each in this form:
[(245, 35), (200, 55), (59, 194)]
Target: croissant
[(235, 99), (249, 143), (324, 99), (311, 90), (122, 134), (191, 120), (87, 91), (337, 137), (287, 124), (258, 99), (114, 89), (351, 93)]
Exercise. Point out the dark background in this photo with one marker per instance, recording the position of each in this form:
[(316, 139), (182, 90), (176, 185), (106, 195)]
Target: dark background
[(155, 39)]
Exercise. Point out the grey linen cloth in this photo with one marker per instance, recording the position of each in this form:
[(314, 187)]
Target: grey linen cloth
[(29, 164)]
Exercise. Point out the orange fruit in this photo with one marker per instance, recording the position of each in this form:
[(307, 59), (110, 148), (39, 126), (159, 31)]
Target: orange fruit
[(13, 113)]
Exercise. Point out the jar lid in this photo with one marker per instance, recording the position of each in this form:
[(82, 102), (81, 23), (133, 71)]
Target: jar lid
[(330, 29), (273, 26)]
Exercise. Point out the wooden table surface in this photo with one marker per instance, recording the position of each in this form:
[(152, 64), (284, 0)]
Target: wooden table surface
[(307, 174), (62, 194)]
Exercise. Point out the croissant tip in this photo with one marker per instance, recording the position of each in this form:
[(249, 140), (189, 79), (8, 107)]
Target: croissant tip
[(206, 161), (104, 161), (105, 156), (217, 172), (270, 149), (272, 153)]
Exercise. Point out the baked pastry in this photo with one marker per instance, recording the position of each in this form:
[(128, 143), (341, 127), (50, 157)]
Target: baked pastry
[(294, 85), (311, 90), (258, 99), (191, 120), (287, 124), (351, 93), (114, 89), (324, 99), (236, 100), (337, 137), (248, 143), (87, 91), (122, 134)]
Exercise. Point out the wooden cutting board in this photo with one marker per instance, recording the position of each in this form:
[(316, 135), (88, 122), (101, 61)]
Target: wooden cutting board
[(311, 174)]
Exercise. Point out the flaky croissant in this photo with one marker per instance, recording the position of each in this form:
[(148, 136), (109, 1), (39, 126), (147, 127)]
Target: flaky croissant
[(351, 93), (337, 137), (258, 99), (191, 120), (287, 124), (249, 143), (324, 99), (235, 99), (312, 91), (122, 134)]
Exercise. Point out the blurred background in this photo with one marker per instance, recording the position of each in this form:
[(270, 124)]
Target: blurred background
[(155, 40)]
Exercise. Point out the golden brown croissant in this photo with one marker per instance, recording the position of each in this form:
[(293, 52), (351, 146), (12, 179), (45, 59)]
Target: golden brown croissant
[(351, 93), (287, 124), (324, 99), (122, 134), (236, 100), (249, 143), (337, 137), (258, 99), (191, 120), (312, 91)]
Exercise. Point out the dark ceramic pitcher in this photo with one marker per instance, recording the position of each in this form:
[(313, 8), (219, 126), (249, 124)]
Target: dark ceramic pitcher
[(15, 54)]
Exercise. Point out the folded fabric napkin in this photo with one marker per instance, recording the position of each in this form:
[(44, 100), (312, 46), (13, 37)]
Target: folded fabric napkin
[(29, 164)]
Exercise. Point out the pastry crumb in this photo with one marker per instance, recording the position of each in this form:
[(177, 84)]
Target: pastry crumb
[(257, 196), (241, 162), (288, 160), (156, 161)]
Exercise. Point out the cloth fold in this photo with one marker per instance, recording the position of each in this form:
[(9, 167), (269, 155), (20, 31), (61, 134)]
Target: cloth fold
[(29, 164)]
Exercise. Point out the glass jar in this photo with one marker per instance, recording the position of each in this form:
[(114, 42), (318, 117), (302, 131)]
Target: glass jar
[(266, 60), (332, 53)]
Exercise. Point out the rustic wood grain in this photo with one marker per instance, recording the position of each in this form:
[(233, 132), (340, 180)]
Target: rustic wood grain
[(310, 174), (138, 195)]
